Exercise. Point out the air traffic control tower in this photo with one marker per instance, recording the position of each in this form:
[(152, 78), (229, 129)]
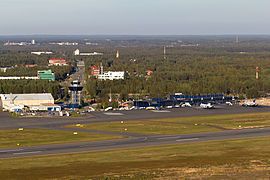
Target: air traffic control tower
[(76, 91)]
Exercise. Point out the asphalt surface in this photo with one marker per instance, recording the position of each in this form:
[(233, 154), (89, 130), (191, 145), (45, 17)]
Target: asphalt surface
[(132, 142), (7, 122), (131, 139)]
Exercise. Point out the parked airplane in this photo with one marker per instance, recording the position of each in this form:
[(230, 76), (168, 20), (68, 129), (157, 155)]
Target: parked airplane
[(207, 106)]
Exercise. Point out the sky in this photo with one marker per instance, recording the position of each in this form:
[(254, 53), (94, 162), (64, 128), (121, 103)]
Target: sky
[(134, 17)]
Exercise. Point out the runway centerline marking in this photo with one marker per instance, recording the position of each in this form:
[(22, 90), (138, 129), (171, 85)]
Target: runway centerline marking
[(175, 137), (31, 152), (114, 114), (191, 139)]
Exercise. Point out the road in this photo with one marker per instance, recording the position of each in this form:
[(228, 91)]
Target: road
[(131, 139)]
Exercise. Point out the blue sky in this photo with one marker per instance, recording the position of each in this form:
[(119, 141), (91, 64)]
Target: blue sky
[(134, 17)]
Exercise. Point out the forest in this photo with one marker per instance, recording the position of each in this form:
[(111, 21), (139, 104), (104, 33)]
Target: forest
[(31, 86), (191, 66)]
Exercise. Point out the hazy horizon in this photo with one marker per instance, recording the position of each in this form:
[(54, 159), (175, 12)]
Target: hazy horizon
[(119, 17)]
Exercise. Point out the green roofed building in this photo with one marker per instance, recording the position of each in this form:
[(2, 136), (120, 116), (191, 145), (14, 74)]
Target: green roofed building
[(46, 75)]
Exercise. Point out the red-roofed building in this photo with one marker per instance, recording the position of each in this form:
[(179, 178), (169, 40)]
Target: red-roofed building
[(95, 71), (149, 72), (57, 62)]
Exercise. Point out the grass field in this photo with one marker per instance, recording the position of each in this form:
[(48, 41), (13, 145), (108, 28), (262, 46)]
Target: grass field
[(30, 137), (235, 159), (186, 125)]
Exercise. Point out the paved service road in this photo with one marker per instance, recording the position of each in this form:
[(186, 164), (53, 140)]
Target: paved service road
[(132, 142)]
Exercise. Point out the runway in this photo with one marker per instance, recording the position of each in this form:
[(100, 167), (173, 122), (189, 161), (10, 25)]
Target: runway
[(132, 142), (131, 139)]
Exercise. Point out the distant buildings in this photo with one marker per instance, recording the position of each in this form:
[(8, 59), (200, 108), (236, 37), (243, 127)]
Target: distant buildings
[(95, 71), (33, 42), (32, 102), (190, 45), (42, 75), (16, 44), (46, 75), (65, 43), (112, 75), (78, 53), (57, 62), (18, 78), (42, 52), (98, 72), (4, 69), (92, 44)]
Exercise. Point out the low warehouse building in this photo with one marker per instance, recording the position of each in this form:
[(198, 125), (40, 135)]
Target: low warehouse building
[(36, 102)]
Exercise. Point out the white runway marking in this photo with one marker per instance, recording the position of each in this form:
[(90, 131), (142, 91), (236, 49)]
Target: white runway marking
[(114, 114), (161, 111), (32, 152), (191, 139), (169, 138)]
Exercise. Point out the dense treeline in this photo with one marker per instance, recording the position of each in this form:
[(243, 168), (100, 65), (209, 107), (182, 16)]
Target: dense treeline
[(30, 86), (215, 65), (18, 58), (60, 71), (188, 70)]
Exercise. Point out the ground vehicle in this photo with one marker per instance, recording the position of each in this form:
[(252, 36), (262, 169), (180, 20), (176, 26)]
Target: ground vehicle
[(108, 109), (150, 108), (186, 104), (207, 106), (229, 103), (250, 103)]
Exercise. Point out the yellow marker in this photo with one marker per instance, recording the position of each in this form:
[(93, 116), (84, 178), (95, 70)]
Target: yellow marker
[(75, 133), (122, 122), (18, 144), (20, 129)]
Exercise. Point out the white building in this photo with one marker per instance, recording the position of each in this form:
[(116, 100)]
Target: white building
[(4, 69), (36, 102), (41, 52), (112, 75), (65, 43), (78, 53), (18, 78)]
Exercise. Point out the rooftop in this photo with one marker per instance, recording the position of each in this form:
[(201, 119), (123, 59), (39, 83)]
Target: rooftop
[(36, 96)]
